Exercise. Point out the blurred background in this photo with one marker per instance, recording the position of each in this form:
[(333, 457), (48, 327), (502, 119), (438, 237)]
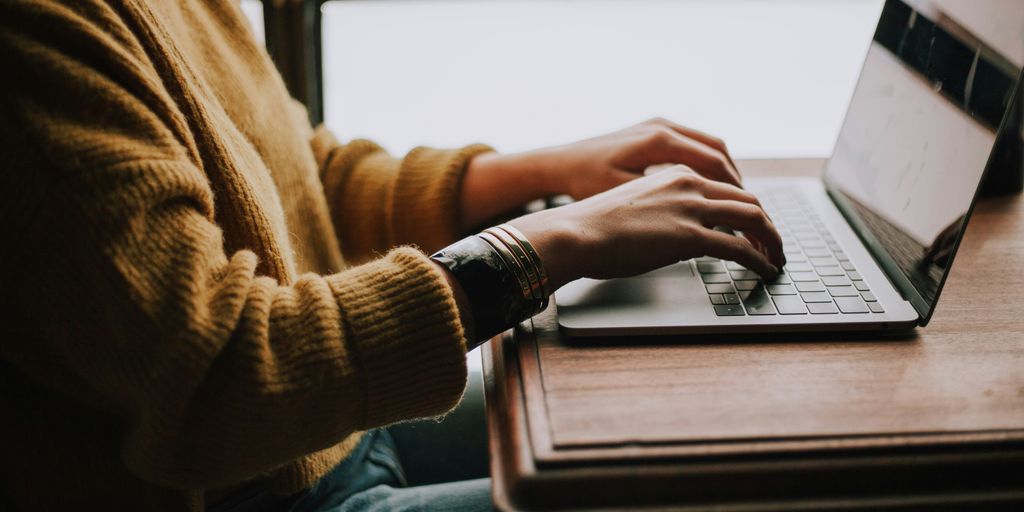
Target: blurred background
[(771, 77)]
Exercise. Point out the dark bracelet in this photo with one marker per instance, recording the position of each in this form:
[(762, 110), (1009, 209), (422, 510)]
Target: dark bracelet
[(495, 294)]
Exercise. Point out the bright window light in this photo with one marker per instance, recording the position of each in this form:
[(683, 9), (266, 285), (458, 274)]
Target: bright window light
[(253, 10), (772, 77)]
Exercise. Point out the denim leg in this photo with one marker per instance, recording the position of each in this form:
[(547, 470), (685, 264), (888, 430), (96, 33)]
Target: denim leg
[(374, 463), (379, 484), (462, 496)]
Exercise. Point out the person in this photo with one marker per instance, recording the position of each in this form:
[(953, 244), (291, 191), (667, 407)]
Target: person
[(204, 293)]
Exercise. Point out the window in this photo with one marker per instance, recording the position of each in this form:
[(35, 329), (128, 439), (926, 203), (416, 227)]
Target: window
[(772, 77), (253, 10)]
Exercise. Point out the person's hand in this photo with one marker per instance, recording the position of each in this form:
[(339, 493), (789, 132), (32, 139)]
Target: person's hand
[(589, 167), (496, 183), (652, 222)]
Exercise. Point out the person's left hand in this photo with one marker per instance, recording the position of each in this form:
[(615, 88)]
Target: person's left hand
[(496, 183)]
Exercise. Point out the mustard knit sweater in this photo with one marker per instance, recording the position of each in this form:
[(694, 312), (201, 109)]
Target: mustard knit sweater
[(177, 312)]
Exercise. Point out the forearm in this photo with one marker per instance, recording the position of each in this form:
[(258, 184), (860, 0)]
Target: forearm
[(496, 183)]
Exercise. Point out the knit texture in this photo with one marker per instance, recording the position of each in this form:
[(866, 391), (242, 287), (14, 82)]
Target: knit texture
[(178, 314)]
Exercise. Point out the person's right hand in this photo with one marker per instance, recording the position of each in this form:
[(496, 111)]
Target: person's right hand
[(652, 222)]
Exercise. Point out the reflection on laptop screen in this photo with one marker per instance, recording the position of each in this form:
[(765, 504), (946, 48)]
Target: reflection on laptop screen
[(935, 86)]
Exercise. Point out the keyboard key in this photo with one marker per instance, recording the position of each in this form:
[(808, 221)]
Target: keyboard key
[(830, 271), (803, 276), (780, 279), (823, 308), (781, 289), (731, 298), (816, 297), (834, 246), (758, 302), (798, 267), (851, 305), (868, 296), (841, 256), (812, 244), (835, 281), (715, 278), (855, 276), (729, 310), (848, 265), (824, 262), (732, 265), (810, 287), (790, 305), (875, 307), (740, 275), (818, 253), (720, 288), (861, 286), (843, 291), (746, 285), (717, 299), (710, 267)]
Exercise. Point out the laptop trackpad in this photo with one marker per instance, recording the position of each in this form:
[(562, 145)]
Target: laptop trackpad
[(669, 285)]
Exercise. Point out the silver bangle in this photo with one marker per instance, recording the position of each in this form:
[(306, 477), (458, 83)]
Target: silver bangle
[(528, 247), (513, 264), (524, 260)]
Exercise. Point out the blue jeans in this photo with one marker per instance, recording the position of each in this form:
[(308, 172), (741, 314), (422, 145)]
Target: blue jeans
[(370, 479)]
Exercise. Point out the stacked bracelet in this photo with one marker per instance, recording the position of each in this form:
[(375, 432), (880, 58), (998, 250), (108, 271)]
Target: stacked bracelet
[(519, 254), (502, 276)]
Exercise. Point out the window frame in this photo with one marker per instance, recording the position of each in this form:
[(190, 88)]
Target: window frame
[(292, 30)]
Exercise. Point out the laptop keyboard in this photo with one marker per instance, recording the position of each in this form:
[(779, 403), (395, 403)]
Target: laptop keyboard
[(818, 279)]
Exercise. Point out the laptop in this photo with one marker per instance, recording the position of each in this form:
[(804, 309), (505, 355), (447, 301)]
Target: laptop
[(870, 243)]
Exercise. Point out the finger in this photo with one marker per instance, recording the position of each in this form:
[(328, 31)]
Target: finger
[(669, 146), (656, 168), (717, 190), (748, 218), (702, 137), (737, 249)]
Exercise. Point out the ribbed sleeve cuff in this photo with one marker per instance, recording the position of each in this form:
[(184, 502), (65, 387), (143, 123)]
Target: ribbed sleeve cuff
[(403, 323), (426, 197)]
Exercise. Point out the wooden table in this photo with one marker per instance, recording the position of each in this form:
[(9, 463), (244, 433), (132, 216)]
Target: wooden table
[(777, 422)]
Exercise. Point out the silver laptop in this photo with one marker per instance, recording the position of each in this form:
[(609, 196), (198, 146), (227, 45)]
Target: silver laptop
[(869, 245)]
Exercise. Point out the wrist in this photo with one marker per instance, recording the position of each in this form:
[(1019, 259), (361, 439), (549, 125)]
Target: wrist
[(536, 171), (556, 243), (546, 171), (500, 287), (495, 184)]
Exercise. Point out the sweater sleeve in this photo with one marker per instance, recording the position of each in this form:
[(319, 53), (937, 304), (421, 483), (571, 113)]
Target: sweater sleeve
[(412, 200), (129, 303)]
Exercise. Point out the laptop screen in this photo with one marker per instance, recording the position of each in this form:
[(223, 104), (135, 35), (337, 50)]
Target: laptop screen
[(936, 84)]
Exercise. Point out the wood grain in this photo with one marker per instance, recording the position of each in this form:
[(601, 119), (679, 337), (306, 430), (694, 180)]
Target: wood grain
[(613, 409)]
